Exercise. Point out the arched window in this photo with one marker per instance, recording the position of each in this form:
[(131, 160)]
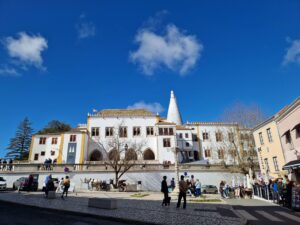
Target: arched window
[(96, 156), (114, 155), (130, 154), (149, 155)]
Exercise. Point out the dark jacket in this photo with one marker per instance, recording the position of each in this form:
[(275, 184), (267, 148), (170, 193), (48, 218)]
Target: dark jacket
[(164, 186)]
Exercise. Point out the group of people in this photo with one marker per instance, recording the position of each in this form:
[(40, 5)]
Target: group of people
[(6, 165), (64, 185), (228, 191), (279, 190), (192, 187), (48, 164)]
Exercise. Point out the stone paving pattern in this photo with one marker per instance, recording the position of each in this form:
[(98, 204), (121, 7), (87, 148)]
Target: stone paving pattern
[(147, 209)]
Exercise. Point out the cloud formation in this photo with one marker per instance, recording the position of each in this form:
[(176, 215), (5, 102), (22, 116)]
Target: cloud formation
[(173, 50), (84, 28), (154, 107), (293, 53), (5, 71), (26, 49)]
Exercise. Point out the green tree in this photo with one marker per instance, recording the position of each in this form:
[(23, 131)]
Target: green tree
[(55, 126), (19, 145)]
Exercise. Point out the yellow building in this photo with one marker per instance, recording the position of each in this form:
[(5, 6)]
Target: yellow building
[(269, 149)]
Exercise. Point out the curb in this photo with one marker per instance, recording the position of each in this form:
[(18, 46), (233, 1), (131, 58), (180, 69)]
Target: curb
[(109, 218)]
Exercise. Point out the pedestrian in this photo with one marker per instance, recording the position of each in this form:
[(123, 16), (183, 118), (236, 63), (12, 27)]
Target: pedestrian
[(66, 186), (47, 184), (237, 191), (197, 188), (4, 165), (183, 187), (164, 189), (221, 188), (60, 187), (30, 182), (173, 184), (10, 164)]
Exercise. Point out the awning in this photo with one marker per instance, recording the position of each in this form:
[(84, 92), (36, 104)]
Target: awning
[(285, 133), (295, 164), (298, 125)]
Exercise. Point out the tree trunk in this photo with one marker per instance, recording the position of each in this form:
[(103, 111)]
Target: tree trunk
[(116, 178)]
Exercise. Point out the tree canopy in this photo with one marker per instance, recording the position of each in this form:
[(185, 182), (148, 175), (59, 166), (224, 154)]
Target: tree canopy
[(55, 126), (19, 145)]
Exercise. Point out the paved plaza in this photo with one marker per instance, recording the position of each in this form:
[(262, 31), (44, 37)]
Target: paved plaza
[(146, 210)]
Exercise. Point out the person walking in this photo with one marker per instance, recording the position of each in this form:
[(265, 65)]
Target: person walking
[(164, 189), (183, 187), (60, 187), (173, 183), (66, 186), (198, 188), (47, 184)]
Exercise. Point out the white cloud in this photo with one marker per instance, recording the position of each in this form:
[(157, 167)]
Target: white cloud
[(293, 53), (174, 50), (85, 29), (27, 49), (154, 107), (5, 71)]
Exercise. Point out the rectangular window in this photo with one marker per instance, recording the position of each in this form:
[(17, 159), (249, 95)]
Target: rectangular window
[(230, 137), (221, 153), (167, 142), (261, 138), (187, 144), (36, 157), (275, 164), (54, 141), (160, 131), (43, 153), (42, 141), (136, 131), (219, 136), (72, 138), (288, 138), (166, 131), (150, 131), (109, 131), (186, 135), (207, 153), (269, 135), (205, 136), (267, 164), (123, 132), (298, 131), (95, 132), (195, 138), (52, 152), (171, 131), (180, 135)]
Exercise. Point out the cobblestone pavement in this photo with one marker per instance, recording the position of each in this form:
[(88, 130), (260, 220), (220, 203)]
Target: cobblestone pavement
[(147, 210), (261, 212)]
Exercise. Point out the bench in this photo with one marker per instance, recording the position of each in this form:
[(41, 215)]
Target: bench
[(102, 203)]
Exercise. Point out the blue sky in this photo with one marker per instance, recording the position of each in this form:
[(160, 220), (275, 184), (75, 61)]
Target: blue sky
[(61, 59)]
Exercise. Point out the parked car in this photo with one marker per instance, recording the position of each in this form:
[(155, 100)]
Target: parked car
[(2, 183), (22, 184), (209, 189)]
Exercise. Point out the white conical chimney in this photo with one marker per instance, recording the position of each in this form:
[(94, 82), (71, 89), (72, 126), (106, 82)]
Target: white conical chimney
[(173, 111)]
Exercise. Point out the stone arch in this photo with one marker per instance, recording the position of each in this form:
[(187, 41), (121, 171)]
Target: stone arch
[(131, 154), (114, 155), (96, 155), (149, 154)]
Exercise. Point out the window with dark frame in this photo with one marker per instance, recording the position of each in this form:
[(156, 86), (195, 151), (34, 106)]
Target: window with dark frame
[(136, 131), (298, 131), (52, 152), (42, 140), (180, 135), (109, 131), (269, 135), (205, 136), (275, 163), (288, 138), (219, 136), (230, 136), (166, 131), (207, 153), (54, 141), (167, 142), (43, 153), (73, 138), (221, 153), (150, 131), (95, 132), (186, 135), (261, 138), (171, 131), (123, 132), (36, 157), (187, 144), (267, 164), (160, 131), (195, 138)]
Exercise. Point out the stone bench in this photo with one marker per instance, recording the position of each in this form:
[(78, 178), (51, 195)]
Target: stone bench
[(102, 203)]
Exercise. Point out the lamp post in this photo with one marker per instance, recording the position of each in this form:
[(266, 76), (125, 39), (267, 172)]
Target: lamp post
[(176, 189)]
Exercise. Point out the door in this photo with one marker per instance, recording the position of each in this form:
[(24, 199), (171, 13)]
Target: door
[(71, 153)]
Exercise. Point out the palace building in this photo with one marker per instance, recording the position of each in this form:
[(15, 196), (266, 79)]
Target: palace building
[(156, 138)]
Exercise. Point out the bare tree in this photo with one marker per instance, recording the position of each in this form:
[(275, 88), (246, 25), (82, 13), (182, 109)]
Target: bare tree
[(246, 116), (120, 153)]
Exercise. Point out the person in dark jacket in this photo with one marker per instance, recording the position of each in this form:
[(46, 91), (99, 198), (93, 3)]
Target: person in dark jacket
[(164, 189)]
